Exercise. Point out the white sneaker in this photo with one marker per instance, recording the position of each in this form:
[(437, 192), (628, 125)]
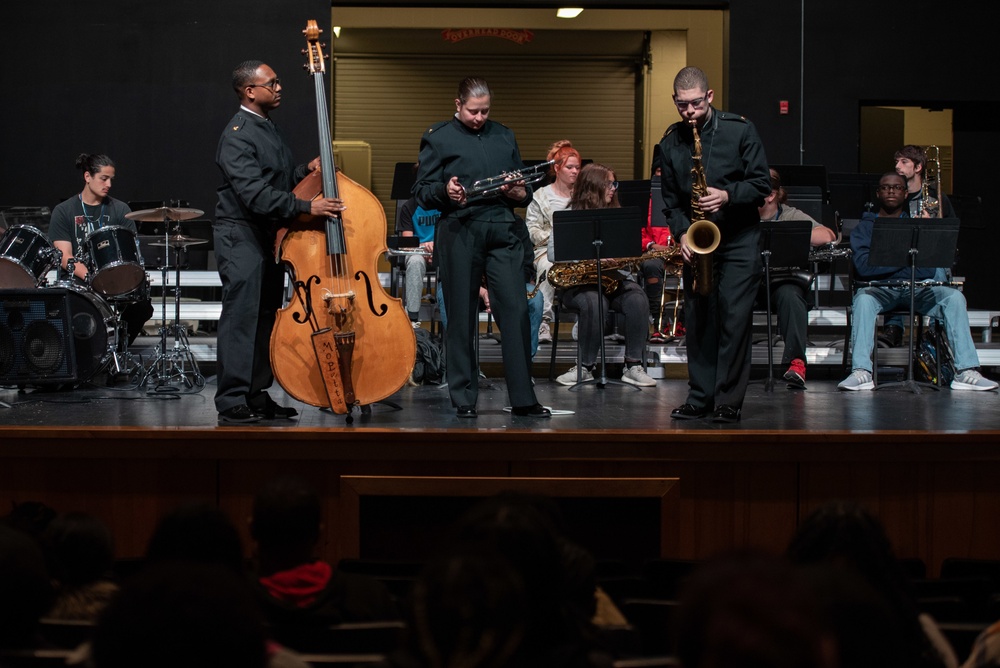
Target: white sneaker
[(636, 375), (544, 334), (860, 379), (569, 378), (970, 379), (415, 323)]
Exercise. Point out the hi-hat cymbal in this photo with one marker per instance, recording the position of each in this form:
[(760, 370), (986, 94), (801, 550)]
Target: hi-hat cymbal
[(164, 213), (179, 241)]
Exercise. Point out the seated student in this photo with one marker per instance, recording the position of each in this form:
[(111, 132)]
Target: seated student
[(654, 270), (296, 590), (790, 299), (415, 221), (597, 188), (538, 217), (92, 209), (937, 301)]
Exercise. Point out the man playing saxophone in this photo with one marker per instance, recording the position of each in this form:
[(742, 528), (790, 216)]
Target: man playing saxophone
[(731, 174)]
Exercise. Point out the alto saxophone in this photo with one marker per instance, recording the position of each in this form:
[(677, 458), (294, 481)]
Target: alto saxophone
[(703, 235), (572, 274)]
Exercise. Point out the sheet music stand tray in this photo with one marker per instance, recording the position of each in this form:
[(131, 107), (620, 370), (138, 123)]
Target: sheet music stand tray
[(782, 244), (912, 242), (593, 234)]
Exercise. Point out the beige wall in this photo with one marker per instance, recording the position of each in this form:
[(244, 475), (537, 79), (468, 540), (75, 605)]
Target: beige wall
[(678, 38)]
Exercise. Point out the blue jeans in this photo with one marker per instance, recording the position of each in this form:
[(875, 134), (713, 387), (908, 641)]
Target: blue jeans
[(535, 307), (941, 302)]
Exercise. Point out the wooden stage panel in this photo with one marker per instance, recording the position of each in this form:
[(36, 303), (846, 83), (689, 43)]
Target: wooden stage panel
[(129, 495), (239, 480), (721, 506), (931, 510), (661, 492)]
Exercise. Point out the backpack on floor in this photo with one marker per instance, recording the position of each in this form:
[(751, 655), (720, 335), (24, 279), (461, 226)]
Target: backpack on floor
[(429, 364), (925, 359)]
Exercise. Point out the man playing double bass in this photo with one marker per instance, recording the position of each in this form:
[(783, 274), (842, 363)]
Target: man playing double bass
[(256, 194)]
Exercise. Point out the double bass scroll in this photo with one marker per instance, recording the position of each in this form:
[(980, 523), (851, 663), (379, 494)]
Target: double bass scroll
[(341, 341)]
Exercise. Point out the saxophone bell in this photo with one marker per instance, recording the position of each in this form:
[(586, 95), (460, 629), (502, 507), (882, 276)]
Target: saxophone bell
[(703, 238)]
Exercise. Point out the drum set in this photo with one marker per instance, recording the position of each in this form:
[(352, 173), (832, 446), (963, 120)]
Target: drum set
[(116, 279)]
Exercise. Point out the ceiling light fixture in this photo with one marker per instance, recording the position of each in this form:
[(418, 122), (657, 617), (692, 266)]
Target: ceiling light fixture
[(568, 12)]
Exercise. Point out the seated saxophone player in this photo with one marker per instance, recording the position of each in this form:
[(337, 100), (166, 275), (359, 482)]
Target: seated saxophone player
[(723, 184), (597, 188), (790, 298)]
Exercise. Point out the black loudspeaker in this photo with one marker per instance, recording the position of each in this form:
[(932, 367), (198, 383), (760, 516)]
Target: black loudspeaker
[(36, 337)]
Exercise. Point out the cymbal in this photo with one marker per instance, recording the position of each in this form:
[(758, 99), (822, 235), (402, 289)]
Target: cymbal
[(178, 241), (164, 213)]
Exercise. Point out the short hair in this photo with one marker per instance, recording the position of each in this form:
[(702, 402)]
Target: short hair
[(471, 87), (588, 193), (198, 532), (690, 78), (81, 549), (92, 163), (286, 511), (244, 74), (914, 154), (893, 174), (181, 613), (777, 187)]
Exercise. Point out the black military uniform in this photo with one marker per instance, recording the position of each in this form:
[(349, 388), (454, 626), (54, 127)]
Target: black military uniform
[(258, 176), (480, 237), (719, 325)]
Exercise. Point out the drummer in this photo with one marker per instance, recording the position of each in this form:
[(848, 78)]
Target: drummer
[(92, 209)]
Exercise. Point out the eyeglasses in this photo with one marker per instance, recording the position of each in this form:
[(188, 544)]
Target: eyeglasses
[(272, 84), (684, 104), (612, 185), (885, 188)]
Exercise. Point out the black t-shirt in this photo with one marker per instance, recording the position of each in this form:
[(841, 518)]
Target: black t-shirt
[(73, 220)]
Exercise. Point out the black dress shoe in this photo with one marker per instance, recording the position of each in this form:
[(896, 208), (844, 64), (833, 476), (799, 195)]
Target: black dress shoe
[(688, 412), (467, 412), (726, 414), (536, 411), (238, 414), (275, 411)]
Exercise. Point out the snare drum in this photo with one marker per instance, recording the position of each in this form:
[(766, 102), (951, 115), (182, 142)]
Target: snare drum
[(113, 259), (26, 256), (93, 325)]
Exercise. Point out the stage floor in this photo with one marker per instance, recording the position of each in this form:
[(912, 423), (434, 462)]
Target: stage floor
[(819, 408)]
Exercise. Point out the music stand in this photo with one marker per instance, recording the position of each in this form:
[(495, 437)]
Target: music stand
[(580, 235), (912, 242), (782, 244)]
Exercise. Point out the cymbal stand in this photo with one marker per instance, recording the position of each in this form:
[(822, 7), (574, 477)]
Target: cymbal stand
[(174, 370)]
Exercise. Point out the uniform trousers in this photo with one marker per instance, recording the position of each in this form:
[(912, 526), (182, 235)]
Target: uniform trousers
[(467, 249), (252, 285), (719, 325)]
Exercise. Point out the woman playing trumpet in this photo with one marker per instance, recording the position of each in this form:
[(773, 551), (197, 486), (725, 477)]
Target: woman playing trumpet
[(477, 236)]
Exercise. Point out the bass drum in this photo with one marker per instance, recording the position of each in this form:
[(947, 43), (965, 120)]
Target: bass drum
[(93, 325)]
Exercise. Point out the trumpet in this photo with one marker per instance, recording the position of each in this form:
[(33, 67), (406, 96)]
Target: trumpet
[(484, 188)]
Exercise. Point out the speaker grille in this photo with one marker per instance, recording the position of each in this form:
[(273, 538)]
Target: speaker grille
[(35, 337)]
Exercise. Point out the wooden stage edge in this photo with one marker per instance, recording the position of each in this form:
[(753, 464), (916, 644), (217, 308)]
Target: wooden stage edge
[(455, 445)]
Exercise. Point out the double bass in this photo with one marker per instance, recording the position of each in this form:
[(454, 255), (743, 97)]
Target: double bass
[(341, 341)]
